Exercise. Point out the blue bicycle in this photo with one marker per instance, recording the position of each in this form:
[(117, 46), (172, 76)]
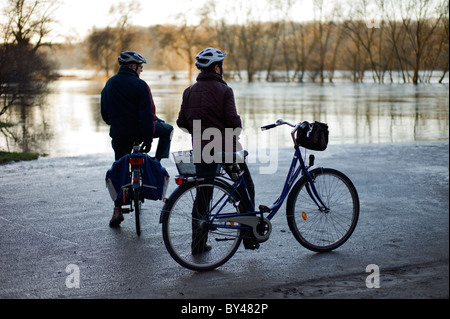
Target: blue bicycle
[(205, 220)]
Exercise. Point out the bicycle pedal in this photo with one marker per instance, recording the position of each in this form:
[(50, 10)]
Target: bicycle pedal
[(264, 209), (125, 210)]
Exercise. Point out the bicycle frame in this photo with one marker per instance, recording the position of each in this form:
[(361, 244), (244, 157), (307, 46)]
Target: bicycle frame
[(294, 172)]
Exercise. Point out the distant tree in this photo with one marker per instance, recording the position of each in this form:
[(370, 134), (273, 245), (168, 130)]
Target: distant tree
[(104, 45), (419, 28), (25, 71), (102, 51)]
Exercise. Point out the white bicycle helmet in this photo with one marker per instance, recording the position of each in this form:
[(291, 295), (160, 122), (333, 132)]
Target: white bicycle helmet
[(209, 56), (128, 57)]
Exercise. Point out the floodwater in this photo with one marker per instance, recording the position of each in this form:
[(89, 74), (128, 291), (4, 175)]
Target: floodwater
[(67, 122)]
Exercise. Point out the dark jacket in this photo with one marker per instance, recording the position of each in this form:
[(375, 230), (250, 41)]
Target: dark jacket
[(210, 100), (127, 105)]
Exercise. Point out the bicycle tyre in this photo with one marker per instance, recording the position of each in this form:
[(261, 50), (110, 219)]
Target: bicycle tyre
[(318, 230), (137, 210), (178, 226)]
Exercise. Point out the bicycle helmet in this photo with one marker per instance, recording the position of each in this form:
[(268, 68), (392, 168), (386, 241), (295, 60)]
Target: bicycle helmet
[(128, 57), (209, 56)]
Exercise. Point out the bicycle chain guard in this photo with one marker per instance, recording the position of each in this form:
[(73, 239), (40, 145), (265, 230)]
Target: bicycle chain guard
[(254, 223)]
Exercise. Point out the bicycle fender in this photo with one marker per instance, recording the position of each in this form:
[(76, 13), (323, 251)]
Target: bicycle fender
[(302, 181)]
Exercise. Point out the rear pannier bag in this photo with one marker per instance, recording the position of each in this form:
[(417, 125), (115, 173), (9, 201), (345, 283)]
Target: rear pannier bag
[(155, 180)]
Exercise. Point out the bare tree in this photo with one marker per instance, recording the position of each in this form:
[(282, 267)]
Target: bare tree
[(395, 35), (25, 71), (104, 45), (120, 16), (445, 37), (419, 28), (29, 22), (102, 50), (362, 29), (325, 27)]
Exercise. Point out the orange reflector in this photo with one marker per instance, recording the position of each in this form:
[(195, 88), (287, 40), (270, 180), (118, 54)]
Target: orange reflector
[(232, 223), (136, 161), (304, 216)]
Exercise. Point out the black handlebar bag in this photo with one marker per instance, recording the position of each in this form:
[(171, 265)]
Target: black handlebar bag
[(313, 137)]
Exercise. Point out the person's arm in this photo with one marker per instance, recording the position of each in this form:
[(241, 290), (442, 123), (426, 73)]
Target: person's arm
[(182, 121), (232, 118), (103, 110), (146, 116)]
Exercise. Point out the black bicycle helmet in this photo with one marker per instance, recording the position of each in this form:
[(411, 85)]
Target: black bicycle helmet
[(129, 57)]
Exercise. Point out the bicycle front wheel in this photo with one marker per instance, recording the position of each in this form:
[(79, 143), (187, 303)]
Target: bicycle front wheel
[(320, 229), (190, 236), (137, 211)]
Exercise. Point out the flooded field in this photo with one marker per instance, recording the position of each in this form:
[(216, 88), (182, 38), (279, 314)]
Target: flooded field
[(67, 121)]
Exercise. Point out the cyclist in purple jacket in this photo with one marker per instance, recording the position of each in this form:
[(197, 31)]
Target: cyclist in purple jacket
[(211, 102)]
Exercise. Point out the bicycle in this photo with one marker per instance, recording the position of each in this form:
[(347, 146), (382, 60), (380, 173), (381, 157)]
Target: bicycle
[(136, 162), (322, 210)]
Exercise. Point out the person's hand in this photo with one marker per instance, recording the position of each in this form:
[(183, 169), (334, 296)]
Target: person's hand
[(146, 147)]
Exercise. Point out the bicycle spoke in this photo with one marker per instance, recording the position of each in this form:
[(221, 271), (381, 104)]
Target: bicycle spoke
[(190, 237), (321, 230)]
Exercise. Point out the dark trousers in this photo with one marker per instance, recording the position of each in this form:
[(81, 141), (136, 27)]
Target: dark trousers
[(203, 198), (164, 132)]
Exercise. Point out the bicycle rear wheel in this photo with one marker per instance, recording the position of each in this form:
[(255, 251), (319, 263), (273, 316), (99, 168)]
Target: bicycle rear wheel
[(137, 211), (315, 228), (189, 236)]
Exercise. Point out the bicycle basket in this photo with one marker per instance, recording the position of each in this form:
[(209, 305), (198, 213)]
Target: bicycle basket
[(184, 161), (313, 137)]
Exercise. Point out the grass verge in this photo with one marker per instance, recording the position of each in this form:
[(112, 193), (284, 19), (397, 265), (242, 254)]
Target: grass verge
[(6, 157)]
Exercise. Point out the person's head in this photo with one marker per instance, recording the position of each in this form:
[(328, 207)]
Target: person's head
[(133, 60), (210, 60)]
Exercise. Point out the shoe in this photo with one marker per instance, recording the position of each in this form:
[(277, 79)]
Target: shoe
[(117, 217), (250, 241)]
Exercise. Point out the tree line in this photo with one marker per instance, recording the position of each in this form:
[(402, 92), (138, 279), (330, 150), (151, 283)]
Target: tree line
[(386, 40), (382, 39)]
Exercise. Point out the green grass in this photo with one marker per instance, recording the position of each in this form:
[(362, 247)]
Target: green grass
[(6, 157), (3, 124)]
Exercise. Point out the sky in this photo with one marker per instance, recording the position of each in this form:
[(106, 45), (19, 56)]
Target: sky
[(80, 16), (77, 17)]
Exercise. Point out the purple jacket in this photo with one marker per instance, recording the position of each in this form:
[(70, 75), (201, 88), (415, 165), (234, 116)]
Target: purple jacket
[(210, 100)]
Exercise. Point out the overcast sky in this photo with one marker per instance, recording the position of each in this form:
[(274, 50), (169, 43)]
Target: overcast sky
[(79, 16)]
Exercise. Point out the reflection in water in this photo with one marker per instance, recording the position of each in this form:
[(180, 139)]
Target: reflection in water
[(67, 122)]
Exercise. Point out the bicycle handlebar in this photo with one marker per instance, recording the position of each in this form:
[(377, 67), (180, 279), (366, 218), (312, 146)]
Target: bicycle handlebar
[(301, 125), (277, 123)]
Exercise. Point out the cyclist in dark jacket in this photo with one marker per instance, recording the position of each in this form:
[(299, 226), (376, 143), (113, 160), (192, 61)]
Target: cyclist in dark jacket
[(211, 101), (127, 106)]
